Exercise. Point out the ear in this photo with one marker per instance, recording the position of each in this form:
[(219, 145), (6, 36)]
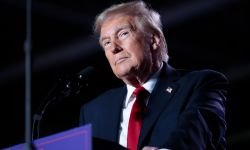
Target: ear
[(155, 41)]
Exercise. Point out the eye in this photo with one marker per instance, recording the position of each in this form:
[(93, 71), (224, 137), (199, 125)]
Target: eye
[(106, 43), (123, 34)]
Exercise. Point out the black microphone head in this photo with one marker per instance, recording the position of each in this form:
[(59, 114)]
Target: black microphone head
[(78, 81), (86, 73)]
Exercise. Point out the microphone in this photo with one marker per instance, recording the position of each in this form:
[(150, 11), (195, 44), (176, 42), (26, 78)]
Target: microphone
[(67, 86), (73, 85)]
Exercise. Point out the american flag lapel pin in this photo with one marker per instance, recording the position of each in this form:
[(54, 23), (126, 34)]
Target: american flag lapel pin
[(169, 90)]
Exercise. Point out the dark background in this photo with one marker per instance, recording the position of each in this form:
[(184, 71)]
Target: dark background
[(211, 34)]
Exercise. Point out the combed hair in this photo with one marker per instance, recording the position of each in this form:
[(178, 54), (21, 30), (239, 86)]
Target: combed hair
[(146, 19)]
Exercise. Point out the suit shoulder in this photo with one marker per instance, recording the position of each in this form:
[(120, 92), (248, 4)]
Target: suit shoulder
[(202, 74), (105, 96), (209, 74), (202, 77)]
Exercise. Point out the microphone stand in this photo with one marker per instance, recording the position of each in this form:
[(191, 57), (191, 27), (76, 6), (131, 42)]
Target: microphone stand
[(51, 98), (28, 70), (64, 88)]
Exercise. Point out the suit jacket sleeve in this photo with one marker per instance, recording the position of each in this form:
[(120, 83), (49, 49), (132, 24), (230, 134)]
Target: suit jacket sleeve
[(201, 123)]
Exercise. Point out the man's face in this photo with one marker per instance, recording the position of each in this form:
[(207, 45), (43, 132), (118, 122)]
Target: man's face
[(127, 49)]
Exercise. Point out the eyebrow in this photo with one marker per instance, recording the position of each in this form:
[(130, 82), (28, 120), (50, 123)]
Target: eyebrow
[(117, 29)]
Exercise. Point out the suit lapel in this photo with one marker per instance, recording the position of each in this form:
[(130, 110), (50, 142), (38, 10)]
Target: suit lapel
[(113, 113), (161, 95)]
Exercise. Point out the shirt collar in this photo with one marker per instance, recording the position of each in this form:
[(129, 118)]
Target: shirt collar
[(149, 85)]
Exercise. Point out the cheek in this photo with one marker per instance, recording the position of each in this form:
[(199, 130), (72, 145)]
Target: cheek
[(140, 52), (109, 57)]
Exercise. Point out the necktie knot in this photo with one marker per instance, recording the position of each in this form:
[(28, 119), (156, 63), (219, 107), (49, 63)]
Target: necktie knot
[(141, 93), (138, 90)]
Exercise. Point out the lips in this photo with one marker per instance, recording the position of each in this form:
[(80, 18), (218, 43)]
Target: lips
[(119, 60)]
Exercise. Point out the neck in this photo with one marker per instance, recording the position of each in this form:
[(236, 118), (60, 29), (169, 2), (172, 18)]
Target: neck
[(142, 76)]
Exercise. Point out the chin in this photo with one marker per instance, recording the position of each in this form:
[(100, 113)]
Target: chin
[(121, 73), (123, 69)]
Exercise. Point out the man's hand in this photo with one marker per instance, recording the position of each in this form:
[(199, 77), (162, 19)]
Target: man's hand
[(153, 148), (150, 148)]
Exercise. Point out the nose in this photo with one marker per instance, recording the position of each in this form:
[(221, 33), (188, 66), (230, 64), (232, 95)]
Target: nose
[(116, 48)]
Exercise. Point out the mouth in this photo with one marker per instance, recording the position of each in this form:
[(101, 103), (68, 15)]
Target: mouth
[(120, 60)]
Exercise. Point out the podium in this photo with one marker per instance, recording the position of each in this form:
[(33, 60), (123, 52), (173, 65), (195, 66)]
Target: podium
[(73, 139), (79, 138)]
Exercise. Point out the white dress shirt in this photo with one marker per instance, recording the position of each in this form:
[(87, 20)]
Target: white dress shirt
[(128, 103)]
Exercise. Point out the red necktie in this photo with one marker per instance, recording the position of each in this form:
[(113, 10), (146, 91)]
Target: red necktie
[(136, 116)]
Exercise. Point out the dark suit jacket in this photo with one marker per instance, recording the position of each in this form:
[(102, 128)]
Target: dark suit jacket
[(186, 110)]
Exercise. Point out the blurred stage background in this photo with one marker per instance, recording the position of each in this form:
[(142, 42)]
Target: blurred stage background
[(200, 34)]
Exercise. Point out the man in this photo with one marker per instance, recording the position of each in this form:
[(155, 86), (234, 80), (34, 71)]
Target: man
[(184, 109)]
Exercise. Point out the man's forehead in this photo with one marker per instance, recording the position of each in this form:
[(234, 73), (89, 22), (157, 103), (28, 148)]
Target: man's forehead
[(117, 27), (111, 26)]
